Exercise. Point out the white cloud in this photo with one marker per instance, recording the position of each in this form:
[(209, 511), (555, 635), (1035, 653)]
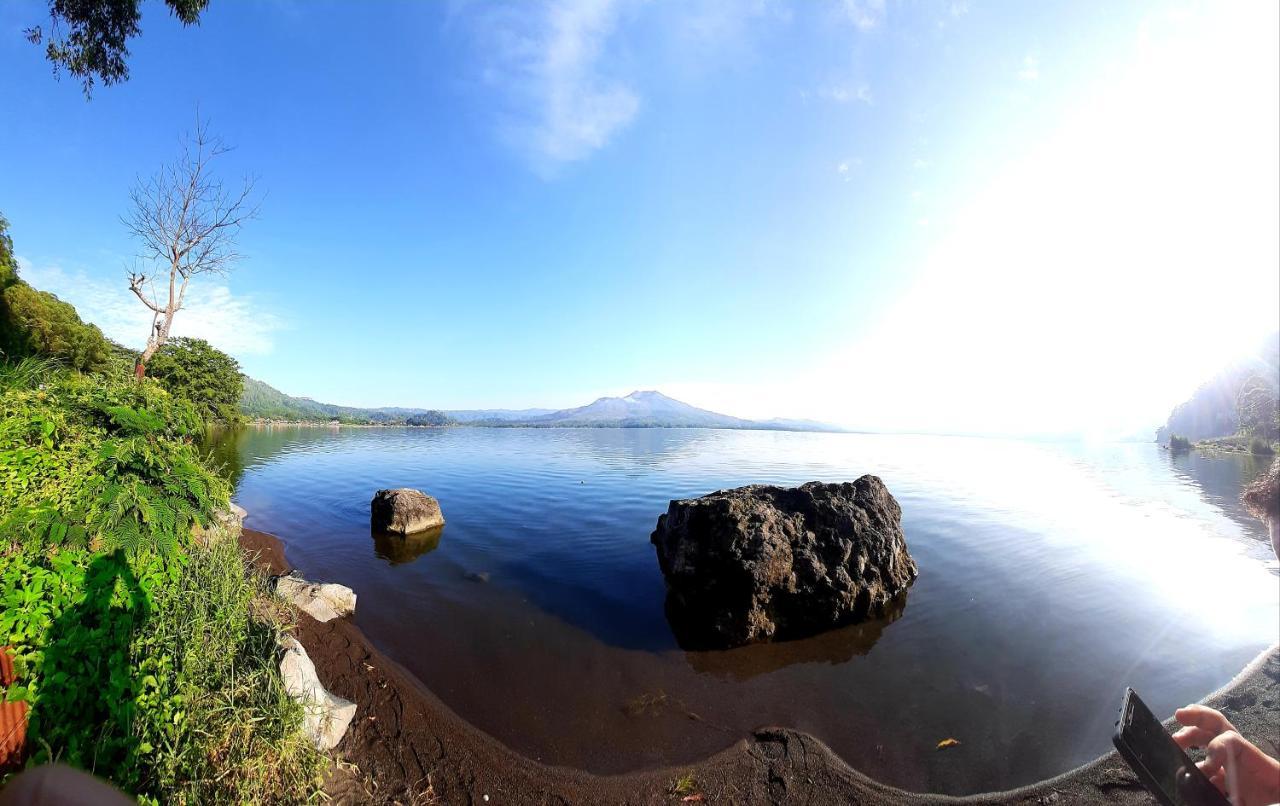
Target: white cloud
[(865, 14), (1030, 68), (846, 168), (236, 324), (843, 94), (550, 61)]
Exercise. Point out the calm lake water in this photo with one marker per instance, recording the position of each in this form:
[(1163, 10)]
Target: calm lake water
[(1051, 576)]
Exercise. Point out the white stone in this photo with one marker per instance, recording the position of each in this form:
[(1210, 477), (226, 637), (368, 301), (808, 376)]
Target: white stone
[(321, 600), (326, 716)]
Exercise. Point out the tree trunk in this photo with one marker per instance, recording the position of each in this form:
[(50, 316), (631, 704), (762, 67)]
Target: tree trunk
[(140, 368)]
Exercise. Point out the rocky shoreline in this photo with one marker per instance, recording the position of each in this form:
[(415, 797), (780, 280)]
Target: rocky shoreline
[(409, 747)]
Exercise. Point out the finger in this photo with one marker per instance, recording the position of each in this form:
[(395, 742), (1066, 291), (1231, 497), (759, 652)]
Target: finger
[(1192, 737), (1203, 717), (1223, 750)]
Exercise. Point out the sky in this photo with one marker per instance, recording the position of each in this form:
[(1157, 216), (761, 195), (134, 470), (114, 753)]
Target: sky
[(970, 217)]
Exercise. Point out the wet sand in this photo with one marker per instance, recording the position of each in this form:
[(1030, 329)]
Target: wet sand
[(410, 747)]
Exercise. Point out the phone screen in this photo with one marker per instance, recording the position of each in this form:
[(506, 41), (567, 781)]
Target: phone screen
[(1167, 767)]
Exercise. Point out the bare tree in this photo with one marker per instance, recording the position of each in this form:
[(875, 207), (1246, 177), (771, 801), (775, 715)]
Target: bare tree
[(187, 222)]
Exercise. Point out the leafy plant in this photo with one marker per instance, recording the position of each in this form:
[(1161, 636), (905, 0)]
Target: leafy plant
[(194, 370)]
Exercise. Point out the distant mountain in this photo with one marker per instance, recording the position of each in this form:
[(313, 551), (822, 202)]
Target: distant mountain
[(260, 401), (637, 410), (1249, 387)]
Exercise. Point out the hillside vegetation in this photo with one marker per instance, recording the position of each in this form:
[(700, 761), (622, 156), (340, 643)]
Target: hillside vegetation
[(144, 647), (1238, 406)]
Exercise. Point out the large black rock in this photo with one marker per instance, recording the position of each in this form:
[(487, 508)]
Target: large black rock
[(763, 563)]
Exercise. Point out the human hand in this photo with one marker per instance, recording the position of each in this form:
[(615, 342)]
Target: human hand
[(1248, 776)]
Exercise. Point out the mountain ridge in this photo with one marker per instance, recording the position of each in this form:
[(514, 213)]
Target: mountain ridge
[(639, 409)]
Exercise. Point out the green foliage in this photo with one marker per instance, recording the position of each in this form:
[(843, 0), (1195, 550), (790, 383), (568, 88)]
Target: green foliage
[(37, 322), (8, 263), (109, 464), (153, 672), (1260, 447), (95, 44), (195, 370), (1179, 444)]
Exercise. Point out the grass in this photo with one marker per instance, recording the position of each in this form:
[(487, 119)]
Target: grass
[(684, 785), (158, 674)]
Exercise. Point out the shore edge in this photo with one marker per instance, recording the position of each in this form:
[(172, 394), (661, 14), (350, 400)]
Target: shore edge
[(410, 747)]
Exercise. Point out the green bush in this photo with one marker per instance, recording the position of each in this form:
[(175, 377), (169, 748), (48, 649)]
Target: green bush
[(101, 463), (37, 322), (151, 671), (194, 370), (1179, 444), (1260, 447)]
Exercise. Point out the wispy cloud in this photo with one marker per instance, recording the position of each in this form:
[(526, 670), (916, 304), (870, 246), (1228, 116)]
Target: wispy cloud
[(847, 168), (1030, 69), (550, 63), (865, 14), (842, 94), (234, 323)]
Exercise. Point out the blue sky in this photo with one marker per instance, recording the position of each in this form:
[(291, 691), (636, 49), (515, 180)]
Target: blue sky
[(962, 216)]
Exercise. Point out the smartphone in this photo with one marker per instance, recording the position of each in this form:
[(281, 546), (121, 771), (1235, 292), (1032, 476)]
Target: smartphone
[(1162, 767)]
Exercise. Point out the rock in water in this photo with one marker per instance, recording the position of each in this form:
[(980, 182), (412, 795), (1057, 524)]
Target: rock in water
[(764, 563), (325, 716), (404, 511)]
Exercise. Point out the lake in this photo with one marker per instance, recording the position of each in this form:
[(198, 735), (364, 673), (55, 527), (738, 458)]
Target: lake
[(1051, 576)]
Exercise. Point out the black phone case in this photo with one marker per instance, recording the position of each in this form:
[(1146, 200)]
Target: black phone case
[(1202, 792)]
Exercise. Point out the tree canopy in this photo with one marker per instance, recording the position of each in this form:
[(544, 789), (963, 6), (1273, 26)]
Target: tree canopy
[(36, 322), (195, 370), (90, 38)]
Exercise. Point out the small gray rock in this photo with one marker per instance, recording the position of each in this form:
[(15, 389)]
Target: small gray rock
[(324, 601), (325, 716)]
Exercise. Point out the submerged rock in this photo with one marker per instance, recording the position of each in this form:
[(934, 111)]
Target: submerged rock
[(326, 716), (762, 563), (324, 601), (404, 511)]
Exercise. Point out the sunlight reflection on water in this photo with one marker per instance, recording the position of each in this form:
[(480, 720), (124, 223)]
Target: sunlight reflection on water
[(1052, 575)]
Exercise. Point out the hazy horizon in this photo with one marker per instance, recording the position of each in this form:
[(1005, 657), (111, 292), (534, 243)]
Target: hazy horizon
[(951, 217)]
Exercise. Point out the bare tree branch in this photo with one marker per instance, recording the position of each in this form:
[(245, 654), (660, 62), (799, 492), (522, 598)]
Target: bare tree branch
[(186, 223)]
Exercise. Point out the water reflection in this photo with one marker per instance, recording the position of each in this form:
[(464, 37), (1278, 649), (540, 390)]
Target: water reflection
[(401, 549), (1220, 477), (1053, 575), (833, 648)]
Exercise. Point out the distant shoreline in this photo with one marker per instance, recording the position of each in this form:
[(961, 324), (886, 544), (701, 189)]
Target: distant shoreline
[(576, 426)]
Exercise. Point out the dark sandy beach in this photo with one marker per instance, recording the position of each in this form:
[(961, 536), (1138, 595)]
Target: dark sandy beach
[(409, 747)]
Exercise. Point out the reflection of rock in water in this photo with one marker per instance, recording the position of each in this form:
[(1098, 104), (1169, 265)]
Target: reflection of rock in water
[(399, 549), (834, 647)]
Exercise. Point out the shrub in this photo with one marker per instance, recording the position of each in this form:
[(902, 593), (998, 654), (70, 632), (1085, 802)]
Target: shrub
[(37, 322), (194, 370), (1179, 444), (99, 463), (1260, 447)]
